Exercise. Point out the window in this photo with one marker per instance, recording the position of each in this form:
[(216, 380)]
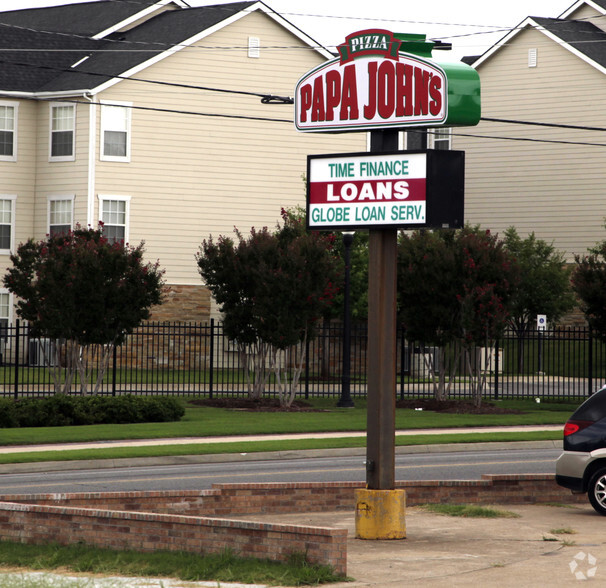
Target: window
[(60, 213), (115, 133), (5, 318), (113, 211), (441, 138), (7, 222), (8, 137), (63, 125)]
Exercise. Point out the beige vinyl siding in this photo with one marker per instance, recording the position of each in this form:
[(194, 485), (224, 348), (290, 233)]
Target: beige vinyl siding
[(555, 190), (55, 178), (590, 14), (18, 177), (192, 176)]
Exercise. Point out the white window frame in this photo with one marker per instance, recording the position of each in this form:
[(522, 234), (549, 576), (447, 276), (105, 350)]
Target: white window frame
[(60, 198), (434, 136), (112, 197), (15, 107), (105, 126), (52, 157), (5, 342), (12, 198)]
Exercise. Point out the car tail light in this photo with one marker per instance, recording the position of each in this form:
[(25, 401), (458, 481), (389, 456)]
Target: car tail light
[(575, 426)]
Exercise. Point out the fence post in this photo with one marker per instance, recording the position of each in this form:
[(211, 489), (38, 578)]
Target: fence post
[(16, 378), (496, 369), (590, 364), (402, 359), (212, 357), (307, 346), (115, 369)]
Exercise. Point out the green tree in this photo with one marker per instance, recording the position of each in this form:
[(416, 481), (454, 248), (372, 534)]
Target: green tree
[(358, 280), (81, 289), (589, 283), (428, 284), (544, 286), (296, 217), (272, 288), (454, 287)]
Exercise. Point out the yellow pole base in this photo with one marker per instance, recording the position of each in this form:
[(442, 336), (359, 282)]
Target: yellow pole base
[(380, 514)]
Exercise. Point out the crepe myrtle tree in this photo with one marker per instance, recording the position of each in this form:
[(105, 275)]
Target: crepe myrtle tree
[(83, 290), (490, 278), (295, 217), (272, 288), (454, 291), (428, 283)]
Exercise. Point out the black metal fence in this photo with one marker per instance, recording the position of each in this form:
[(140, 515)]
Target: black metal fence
[(198, 359)]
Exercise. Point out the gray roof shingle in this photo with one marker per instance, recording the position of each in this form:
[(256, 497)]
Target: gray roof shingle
[(42, 61), (87, 18), (582, 35)]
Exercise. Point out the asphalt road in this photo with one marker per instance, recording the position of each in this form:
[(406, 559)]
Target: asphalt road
[(468, 465)]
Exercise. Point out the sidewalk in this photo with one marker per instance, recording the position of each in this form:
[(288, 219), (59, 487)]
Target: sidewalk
[(192, 457), (252, 438)]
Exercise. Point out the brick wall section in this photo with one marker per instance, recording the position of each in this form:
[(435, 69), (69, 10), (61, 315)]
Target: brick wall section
[(140, 531), (186, 520), (183, 304)]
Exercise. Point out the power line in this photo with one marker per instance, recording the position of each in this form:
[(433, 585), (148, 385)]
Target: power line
[(265, 97), (543, 124), (176, 111)]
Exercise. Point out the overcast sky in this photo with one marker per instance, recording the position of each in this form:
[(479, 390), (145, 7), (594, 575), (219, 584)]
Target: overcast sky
[(465, 23)]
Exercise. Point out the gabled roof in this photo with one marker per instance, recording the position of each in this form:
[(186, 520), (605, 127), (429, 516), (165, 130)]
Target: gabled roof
[(598, 5), (91, 56), (151, 40), (580, 37), (588, 41)]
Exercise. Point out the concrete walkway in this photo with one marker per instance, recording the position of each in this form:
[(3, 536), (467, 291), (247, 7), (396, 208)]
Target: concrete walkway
[(252, 438)]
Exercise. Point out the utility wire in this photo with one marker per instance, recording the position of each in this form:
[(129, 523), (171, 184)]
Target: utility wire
[(175, 111), (265, 98), (543, 124), (497, 28)]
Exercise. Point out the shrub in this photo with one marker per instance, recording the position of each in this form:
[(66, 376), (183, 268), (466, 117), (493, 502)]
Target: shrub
[(61, 410)]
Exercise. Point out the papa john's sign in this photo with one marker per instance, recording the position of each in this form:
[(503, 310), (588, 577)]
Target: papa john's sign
[(372, 84)]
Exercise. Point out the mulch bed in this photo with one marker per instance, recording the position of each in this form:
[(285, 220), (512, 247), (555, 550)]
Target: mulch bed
[(261, 405), (273, 405), (455, 406)]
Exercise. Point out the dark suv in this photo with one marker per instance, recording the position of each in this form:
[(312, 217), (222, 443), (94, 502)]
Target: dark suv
[(582, 465)]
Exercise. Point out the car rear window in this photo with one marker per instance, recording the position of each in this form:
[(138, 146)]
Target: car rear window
[(593, 409)]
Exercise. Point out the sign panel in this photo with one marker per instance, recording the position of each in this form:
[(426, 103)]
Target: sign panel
[(373, 84), (403, 189), (373, 190)]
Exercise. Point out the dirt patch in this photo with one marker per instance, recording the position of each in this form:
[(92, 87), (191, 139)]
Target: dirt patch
[(455, 406)]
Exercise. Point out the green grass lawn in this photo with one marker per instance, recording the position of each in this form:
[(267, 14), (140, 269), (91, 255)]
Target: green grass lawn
[(200, 421)]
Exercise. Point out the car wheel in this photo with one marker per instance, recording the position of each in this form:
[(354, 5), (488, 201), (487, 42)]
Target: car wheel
[(597, 491)]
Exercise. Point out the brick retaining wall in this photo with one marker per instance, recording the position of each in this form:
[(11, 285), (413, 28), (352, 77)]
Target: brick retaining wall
[(186, 520)]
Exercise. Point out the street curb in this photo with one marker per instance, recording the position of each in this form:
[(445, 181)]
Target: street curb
[(98, 464)]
